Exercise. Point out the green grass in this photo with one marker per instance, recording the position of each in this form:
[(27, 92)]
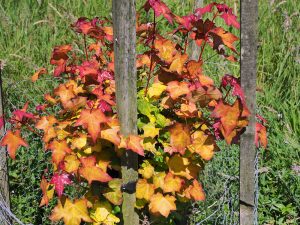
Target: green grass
[(278, 77), (28, 32)]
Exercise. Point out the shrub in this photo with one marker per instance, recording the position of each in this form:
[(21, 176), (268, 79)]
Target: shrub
[(181, 114)]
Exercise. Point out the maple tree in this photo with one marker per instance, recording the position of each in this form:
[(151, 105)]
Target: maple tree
[(181, 115)]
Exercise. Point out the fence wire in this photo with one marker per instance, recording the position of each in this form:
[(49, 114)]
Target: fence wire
[(6, 215), (256, 191)]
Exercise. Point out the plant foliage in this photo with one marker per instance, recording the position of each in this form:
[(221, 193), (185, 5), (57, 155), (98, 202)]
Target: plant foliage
[(181, 115)]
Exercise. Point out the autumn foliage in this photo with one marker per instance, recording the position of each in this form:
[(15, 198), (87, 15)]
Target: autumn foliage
[(181, 115)]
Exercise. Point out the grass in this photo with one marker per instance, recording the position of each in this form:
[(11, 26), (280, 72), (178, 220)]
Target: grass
[(278, 77), (28, 31)]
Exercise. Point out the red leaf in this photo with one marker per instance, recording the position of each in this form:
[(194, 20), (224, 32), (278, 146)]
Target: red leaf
[(13, 142), (20, 114), (236, 91), (236, 88), (203, 10), (230, 19), (83, 25), (1, 122), (159, 8), (104, 75), (186, 21), (59, 58), (60, 180), (89, 68)]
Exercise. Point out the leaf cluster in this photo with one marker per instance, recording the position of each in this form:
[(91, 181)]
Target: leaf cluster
[(181, 115)]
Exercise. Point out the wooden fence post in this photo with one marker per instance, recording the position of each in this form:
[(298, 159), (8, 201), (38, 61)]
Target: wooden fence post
[(124, 22), (194, 49), (4, 185), (249, 18)]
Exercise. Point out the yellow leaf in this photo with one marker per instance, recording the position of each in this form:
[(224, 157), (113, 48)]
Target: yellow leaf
[(62, 134), (79, 142), (149, 145), (183, 167), (71, 163), (71, 213), (113, 193), (147, 169), (159, 180), (202, 144), (156, 90), (111, 220), (150, 130), (102, 214), (144, 190)]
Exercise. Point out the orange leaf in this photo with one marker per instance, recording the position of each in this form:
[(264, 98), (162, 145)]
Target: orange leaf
[(91, 119), (91, 172), (45, 122), (50, 99), (221, 36), (47, 190), (176, 89), (261, 135), (162, 204), (166, 49), (71, 213), (194, 68), (188, 110), (13, 142), (204, 95), (228, 114), (59, 150), (134, 143), (65, 93), (112, 135), (180, 137), (172, 183), (178, 62), (37, 74), (195, 191)]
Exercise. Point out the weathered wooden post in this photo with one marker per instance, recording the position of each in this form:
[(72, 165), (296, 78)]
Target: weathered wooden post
[(193, 47), (249, 18), (4, 186), (124, 22)]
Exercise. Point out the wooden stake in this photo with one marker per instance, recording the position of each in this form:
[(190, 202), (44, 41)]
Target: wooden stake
[(249, 18), (4, 184), (124, 22), (194, 49)]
